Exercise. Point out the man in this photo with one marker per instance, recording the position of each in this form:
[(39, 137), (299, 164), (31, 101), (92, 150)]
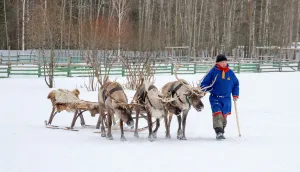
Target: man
[(220, 98)]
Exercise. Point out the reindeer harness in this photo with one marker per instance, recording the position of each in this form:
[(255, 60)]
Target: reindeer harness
[(173, 91), (143, 95), (104, 93)]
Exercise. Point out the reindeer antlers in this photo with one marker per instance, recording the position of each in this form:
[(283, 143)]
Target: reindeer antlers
[(198, 83), (204, 88), (166, 100), (177, 66)]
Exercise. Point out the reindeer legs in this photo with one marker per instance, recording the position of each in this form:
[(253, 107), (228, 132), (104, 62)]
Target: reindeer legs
[(102, 118), (184, 116), (179, 131), (149, 119), (170, 120), (167, 124), (122, 131), (137, 112), (99, 120), (109, 118), (156, 128)]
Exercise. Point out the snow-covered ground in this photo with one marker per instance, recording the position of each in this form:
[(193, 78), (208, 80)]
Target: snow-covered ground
[(268, 112)]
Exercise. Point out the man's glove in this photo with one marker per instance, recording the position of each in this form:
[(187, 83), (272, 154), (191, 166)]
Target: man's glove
[(235, 98)]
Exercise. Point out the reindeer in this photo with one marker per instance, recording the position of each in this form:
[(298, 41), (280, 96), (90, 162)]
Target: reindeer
[(149, 99), (112, 98), (185, 96)]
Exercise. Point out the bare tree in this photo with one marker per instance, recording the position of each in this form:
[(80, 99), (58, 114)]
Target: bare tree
[(121, 7), (62, 22), (70, 23), (23, 25), (141, 69), (298, 24), (5, 21), (49, 66), (209, 26)]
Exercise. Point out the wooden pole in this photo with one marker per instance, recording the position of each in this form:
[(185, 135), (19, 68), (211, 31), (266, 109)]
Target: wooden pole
[(237, 118)]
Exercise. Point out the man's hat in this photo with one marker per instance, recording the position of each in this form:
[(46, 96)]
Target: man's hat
[(221, 57)]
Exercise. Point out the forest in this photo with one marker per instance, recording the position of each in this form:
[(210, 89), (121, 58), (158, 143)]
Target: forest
[(148, 25)]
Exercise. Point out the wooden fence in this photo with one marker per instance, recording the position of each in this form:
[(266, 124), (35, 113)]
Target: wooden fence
[(84, 70)]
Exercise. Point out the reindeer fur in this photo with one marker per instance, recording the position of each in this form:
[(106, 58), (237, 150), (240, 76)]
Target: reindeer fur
[(66, 100), (185, 97), (149, 97), (112, 98)]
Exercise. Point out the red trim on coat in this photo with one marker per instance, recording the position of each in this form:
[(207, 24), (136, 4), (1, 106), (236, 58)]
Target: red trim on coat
[(235, 97), (225, 115), (217, 113)]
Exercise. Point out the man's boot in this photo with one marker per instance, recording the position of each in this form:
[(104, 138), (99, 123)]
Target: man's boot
[(219, 133), (218, 125)]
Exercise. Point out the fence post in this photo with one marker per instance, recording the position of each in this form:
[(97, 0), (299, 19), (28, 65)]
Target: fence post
[(239, 67), (8, 70), (123, 71), (69, 67), (195, 71), (258, 66), (299, 65), (39, 70), (172, 68), (279, 65)]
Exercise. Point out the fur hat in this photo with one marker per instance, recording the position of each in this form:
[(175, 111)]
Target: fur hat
[(221, 57)]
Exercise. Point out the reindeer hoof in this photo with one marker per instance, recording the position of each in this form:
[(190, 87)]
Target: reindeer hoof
[(168, 136), (183, 138), (123, 139), (179, 137), (151, 138), (109, 137), (136, 134), (154, 135), (103, 135)]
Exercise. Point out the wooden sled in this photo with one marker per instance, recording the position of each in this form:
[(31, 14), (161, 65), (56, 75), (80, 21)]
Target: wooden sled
[(65, 100)]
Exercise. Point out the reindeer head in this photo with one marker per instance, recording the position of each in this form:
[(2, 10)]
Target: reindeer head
[(194, 96), (119, 103), (123, 111)]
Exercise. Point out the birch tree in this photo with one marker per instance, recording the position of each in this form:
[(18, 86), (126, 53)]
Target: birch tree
[(5, 21), (121, 8)]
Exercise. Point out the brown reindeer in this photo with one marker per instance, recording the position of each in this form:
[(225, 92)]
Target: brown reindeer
[(185, 96), (112, 98), (150, 100)]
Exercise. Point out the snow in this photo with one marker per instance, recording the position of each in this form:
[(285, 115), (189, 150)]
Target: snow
[(268, 114)]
